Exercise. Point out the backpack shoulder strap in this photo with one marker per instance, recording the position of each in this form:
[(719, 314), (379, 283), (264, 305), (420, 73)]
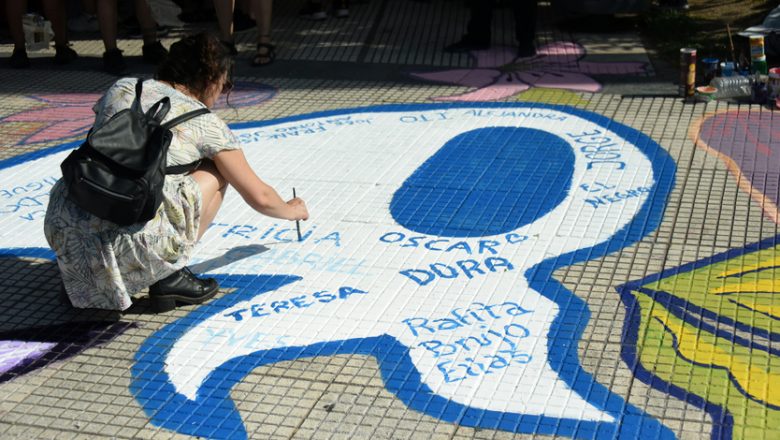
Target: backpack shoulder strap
[(139, 87), (185, 117), (186, 168)]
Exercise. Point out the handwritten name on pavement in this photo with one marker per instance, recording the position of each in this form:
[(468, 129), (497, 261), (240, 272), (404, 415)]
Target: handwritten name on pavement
[(457, 363), (259, 310), (468, 267), (27, 200), (306, 128)]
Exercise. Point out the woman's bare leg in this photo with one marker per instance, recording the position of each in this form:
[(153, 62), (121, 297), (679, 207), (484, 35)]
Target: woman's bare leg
[(14, 11), (212, 189), (262, 10), (107, 18), (224, 11), (146, 21), (56, 13)]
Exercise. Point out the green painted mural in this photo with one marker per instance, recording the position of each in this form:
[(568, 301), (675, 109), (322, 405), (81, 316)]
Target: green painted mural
[(709, 333)]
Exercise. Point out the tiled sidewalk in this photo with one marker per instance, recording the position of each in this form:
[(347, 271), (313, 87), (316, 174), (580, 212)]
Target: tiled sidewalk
[(498, 248)]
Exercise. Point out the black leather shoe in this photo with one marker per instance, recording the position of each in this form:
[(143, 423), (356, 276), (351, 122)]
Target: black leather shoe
[(114, 62), (183, 287), (64, 54), (19, 59), (154, 53)]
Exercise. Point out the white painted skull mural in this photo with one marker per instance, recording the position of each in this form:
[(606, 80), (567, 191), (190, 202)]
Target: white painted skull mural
[(434, 232)]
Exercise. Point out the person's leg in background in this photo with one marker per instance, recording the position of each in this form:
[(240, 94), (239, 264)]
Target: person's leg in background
[(224, 11), (525, 12), (113, 61), (152, 50), (14, 9), (55, 11), (478, 33), (266, 52)]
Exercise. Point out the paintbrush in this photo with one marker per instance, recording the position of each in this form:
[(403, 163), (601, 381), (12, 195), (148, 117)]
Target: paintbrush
[(731, 44), (297, 222)]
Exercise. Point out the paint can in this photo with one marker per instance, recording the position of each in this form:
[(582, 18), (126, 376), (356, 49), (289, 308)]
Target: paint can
[(727, 68), (687, 87), (709, 69), (758, 65), (757, 47)]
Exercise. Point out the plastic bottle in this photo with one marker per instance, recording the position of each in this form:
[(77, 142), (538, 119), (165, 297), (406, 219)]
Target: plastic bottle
[(37, 32), (732, 86)]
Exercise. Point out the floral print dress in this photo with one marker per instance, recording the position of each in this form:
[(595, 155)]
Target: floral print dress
[(102, 264)]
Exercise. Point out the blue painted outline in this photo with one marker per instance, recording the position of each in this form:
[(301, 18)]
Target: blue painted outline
[(723, 421), (214, 415)]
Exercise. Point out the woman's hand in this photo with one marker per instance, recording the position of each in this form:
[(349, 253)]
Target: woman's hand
[(300, 212)]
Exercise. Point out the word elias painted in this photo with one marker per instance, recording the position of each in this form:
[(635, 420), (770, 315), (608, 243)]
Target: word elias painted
[(460, 363)]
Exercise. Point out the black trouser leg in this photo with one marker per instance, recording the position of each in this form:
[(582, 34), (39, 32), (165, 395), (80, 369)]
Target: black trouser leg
[(525, 21), (480, 21)]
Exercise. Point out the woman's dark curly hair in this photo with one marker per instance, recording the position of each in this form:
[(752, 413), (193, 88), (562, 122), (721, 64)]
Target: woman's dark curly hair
[(196, 62)]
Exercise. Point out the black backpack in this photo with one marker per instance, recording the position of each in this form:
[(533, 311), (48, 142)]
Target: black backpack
[(117, 174)]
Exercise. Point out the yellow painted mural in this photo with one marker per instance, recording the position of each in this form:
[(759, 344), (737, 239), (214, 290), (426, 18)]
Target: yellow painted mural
[(709, 333)]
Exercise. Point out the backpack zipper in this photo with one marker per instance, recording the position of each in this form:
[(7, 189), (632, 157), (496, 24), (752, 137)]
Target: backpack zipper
[(104, 191)]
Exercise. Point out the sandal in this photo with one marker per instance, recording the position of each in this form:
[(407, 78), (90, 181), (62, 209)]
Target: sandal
[(265, 54)]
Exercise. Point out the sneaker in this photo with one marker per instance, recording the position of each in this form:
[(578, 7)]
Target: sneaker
[(154, 53), (114, 62), (83, 23), (313, 11), (182, 287), (19, 59), (64, 54)]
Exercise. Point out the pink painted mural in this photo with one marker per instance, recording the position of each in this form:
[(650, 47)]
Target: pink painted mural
[(67, 115), (748, 143), (499, 73)]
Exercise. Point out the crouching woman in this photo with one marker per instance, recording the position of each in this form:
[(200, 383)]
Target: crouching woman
[(103, 264)]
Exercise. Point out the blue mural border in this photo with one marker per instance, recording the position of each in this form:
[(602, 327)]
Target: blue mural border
[(215, 415), (723, 421)]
